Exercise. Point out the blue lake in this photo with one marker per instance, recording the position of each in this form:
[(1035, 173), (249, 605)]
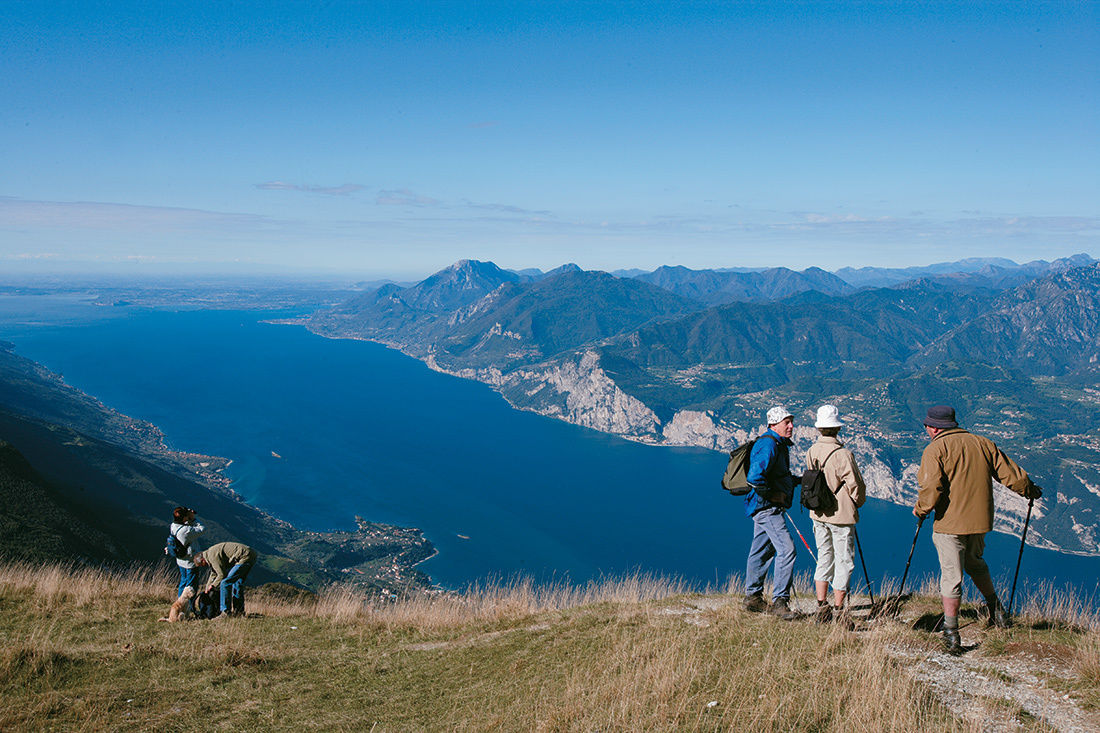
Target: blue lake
[(322, 430)]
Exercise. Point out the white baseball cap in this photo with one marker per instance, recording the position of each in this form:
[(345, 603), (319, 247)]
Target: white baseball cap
[(778, 414), (828, 417)]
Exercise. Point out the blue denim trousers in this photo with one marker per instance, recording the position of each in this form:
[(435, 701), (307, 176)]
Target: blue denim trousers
[(770, 539), (188, 577), (233, 589)]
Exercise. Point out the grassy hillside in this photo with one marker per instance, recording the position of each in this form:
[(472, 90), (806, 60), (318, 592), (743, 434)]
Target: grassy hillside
[(82, 650)]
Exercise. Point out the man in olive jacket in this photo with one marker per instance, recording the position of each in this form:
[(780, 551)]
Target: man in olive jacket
[(229, 563), (956, 480)]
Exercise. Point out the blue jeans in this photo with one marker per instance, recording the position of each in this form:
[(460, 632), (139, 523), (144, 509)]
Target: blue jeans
[(770, 538), (188, 578), (233, 589)]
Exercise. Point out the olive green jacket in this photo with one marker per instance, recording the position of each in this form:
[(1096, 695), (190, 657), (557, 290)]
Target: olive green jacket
[(224, 555), (956, 479)]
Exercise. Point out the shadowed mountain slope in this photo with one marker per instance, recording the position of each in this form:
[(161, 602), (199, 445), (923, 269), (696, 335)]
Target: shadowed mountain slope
[(1046, 326), (38, 523), (715, 287), (864, 331), (512, 320), (555, 314), (988, 271), (456, 286)]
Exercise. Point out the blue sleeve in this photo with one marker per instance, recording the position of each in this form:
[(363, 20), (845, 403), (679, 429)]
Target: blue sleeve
[(760, 457)]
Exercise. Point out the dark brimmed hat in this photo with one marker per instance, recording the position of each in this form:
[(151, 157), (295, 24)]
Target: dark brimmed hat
[(941, 416)]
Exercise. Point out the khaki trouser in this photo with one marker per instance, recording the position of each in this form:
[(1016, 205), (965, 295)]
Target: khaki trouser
[(959, 552), (835, 557)]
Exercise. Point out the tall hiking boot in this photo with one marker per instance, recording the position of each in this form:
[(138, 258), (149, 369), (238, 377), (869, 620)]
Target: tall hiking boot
[(781, 607), (952, 644), (998, 616), (755, 603), (824, 612)]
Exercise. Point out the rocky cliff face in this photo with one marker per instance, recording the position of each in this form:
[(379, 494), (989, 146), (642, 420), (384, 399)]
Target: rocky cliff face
[(576, 390), (702, 429)]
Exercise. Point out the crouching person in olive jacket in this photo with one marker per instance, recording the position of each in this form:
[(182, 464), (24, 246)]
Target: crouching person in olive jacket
[(230, 563)]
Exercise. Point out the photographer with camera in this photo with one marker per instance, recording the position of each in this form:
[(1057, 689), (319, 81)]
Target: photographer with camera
[(184, 530)]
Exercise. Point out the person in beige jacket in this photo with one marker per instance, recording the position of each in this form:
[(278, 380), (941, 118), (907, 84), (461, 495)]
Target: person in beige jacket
[(229, 563), (834, 532), (956, 480)]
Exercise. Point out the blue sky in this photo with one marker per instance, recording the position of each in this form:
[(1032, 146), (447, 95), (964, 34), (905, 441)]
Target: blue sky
[(393, 138)]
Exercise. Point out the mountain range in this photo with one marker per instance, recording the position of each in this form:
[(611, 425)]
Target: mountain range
[(694, 357)]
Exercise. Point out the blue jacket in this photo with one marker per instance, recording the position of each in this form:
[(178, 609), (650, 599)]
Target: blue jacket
[(770, 474)]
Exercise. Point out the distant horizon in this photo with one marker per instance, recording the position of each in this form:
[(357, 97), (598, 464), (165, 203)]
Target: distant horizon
[(245, 274)]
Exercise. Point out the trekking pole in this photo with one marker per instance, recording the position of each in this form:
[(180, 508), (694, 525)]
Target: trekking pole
[(866, 577), (901, 590), (804, 542), (1023, 539)]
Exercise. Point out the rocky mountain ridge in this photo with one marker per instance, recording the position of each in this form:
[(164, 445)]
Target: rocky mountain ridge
[(579, 348)]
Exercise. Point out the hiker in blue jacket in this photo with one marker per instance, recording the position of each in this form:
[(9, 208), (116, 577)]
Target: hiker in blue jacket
[(772, 493)]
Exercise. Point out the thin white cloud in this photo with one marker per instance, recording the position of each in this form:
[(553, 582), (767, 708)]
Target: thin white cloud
[(1018, 224), (111, 216), (813, 218), (31, 256), (923, 225), (405, 197), (341, 190), (505, 209)]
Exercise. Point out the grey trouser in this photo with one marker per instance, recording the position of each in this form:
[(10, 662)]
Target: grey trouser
[(960, 552)]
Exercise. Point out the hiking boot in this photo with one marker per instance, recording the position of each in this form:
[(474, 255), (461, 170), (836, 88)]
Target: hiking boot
[(998, 616), (952, 644), (844, 619), (755, 603), (781, 607), (824, 613)]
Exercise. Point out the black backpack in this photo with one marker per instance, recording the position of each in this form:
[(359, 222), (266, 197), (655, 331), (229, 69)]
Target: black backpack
[(735, 479), (208, 605), (175, 549), (816, 494)]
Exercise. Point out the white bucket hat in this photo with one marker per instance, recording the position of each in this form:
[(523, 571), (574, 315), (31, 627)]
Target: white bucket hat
[(828, 417), (778, 414)]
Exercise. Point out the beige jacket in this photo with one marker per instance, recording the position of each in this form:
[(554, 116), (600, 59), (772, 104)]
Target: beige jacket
[(956, 479), (224, 555), (843, 477)]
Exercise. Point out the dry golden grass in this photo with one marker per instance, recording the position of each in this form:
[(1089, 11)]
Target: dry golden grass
[(486, 603), (82, 651), (79, 586), (1044, 602)]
